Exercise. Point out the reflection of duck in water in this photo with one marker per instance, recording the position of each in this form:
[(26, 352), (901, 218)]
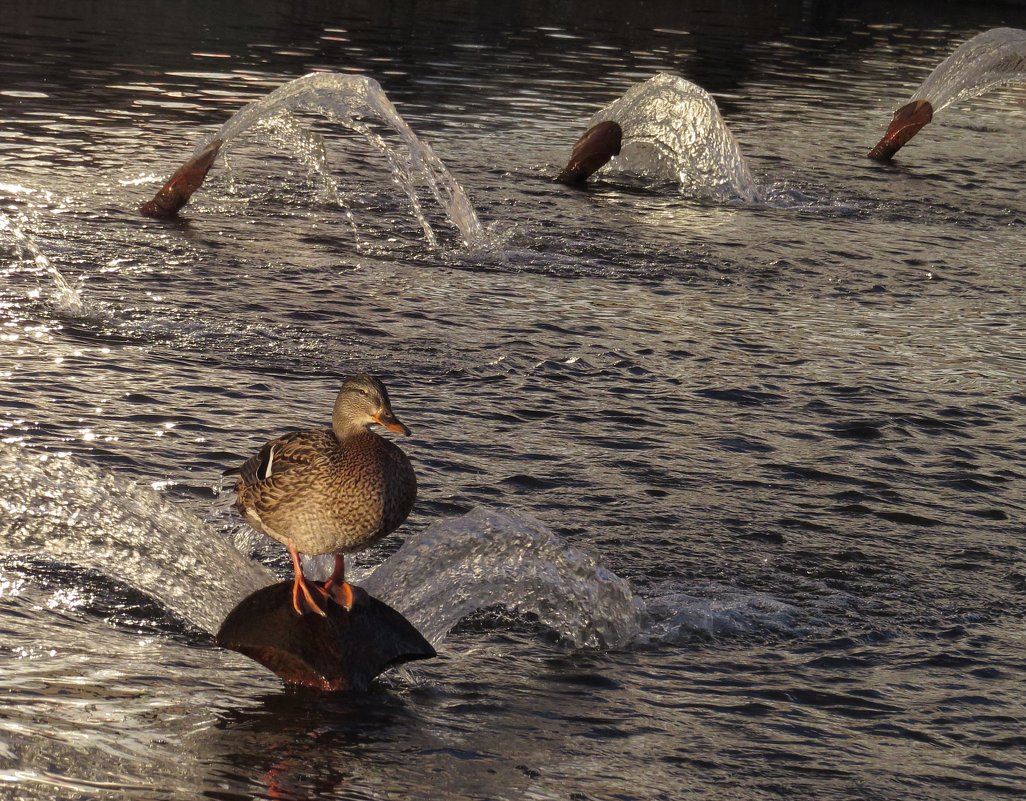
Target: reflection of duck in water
[(994, 57), (333, 490)]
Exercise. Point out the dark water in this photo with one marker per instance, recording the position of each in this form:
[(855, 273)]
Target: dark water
[(796, 427)]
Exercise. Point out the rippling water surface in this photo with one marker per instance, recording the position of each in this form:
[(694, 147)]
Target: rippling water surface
[(794, 426)]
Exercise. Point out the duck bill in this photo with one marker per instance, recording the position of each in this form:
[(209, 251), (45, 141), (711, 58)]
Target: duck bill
[(179, 187), (904, 125), (389, 421), (591, 152)]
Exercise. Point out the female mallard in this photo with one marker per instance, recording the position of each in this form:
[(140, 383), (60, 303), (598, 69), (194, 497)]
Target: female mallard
[(331, 490)]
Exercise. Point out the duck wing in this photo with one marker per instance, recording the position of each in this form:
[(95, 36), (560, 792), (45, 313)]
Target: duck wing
[(286, 453)]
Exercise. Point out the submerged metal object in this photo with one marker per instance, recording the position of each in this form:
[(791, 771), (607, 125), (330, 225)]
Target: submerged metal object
[(591, 152), (905, 124), (340, 651), (176, 192)]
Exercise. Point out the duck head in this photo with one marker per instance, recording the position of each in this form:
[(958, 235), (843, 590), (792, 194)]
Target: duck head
[(363, 402)]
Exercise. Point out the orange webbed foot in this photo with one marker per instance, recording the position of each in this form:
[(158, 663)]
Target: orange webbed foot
[(303, 600), (337, 588)]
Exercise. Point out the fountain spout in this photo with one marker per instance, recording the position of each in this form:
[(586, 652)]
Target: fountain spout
[(596, 146), (989, 59), (350, 101), (179, 187), (672, 131), (343, 650)]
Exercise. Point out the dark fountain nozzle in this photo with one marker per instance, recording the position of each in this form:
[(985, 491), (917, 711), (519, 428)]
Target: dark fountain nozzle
[(904, 125), (179, 187), (344, 650), (591, 152)]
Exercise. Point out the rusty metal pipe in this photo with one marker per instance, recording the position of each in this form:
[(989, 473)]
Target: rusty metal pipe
[(904, 125), (343, 650), (179, 187), (591, 152)]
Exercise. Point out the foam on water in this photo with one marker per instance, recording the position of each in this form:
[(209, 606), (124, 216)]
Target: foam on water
[(713, 611), (992, 58), (673, 131)]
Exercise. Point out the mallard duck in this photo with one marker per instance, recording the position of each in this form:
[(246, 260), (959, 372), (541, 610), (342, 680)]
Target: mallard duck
[(332, 490)]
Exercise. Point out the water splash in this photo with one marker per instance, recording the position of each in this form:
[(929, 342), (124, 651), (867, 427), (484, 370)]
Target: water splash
[(285, 129), (992, 58), (502, 558), (349, 100), (60, 508), (64, 296), (714, 611), (673, 131), (76, 514), (310, 148)]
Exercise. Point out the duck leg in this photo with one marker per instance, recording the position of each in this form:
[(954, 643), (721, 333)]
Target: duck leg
[(300, 591), (343, 592)]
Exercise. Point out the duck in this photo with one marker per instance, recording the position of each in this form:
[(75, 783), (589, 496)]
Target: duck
[(331, 490)]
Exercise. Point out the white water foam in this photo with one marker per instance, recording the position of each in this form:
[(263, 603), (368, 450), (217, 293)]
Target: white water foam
[(715, 611)]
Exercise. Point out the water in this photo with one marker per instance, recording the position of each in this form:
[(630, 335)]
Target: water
[(673, 132), (77, 515), (791, 428), (60, 292), (989, 59), (490, 558)]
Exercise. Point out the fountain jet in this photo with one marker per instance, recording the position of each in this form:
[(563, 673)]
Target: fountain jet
[(64, 295), (70, 512), (992, 58), (671, 131), (348, 100)]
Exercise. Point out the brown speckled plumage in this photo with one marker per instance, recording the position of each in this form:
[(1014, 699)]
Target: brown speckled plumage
[(332, 490)]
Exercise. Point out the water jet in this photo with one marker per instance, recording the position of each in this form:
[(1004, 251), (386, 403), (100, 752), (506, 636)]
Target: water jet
[(348, 100), (672, 131), (992, 58)]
